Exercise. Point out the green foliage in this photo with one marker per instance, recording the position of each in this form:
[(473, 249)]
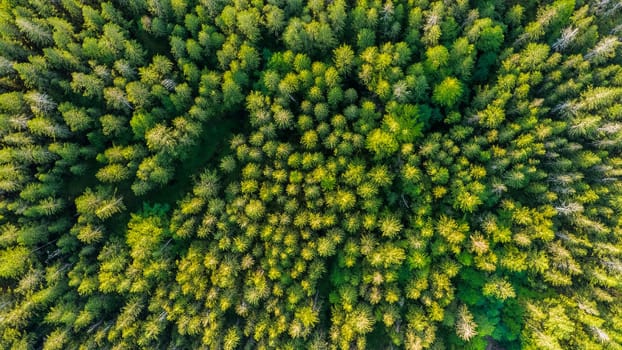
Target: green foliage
[(13, 262), (404, 174), (381, 143), (448, 92)]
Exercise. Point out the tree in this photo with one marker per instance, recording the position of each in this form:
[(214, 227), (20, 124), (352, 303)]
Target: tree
[(343, 58), (466, 328), (604, 50), (36, 31), (248, 23), (437, 57), (381, 143), (274, 18), (487, 36), (87, 85), (295, 36), (13, 261), (448, 92), (231, 339)]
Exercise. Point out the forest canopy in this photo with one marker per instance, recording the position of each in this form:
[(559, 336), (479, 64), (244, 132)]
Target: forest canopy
[(323, 174)]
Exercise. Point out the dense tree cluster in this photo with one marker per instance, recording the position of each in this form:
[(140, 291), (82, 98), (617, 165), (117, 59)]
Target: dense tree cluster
[(323, 174)]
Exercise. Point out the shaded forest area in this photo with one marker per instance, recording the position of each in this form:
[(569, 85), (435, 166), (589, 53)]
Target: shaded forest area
[(323, 174)]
